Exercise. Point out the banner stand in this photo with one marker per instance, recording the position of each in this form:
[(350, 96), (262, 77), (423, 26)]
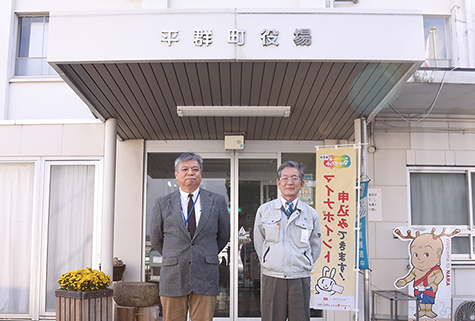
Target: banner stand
[(338, 203)]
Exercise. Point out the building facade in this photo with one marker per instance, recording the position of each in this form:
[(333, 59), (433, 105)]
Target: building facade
[(76, 74)]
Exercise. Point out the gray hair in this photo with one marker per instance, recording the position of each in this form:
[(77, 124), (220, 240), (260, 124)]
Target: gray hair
[(186, 157), (299, 167)]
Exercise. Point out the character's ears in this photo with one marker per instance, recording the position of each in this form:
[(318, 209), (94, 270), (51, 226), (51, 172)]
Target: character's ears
[(332, 273)]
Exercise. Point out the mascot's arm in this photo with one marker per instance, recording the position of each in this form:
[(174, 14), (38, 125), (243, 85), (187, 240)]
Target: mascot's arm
[(404, 281)]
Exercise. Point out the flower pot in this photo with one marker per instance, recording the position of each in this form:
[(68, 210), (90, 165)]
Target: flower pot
[(84, 306), (117, 272)]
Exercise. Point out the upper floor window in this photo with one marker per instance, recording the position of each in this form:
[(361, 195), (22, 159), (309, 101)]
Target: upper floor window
[(32, 47), (437, 35), (445, 197)]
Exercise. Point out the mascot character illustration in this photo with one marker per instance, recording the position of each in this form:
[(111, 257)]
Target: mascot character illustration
[(426, 251)]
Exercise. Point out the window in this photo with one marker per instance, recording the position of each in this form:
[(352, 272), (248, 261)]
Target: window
[(16, 217), (32, 47), (70, 222), (445, 197), (437, 35), (46, 229)]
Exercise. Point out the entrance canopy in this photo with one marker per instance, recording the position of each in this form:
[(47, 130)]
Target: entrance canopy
[(330, 66)]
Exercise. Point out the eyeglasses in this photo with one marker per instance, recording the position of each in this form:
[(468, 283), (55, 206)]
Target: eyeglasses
[(294, 179)]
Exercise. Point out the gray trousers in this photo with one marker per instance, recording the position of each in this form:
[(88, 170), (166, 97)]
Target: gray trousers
[(285, 298)]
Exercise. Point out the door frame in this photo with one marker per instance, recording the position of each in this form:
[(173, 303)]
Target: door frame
[(215, 149)]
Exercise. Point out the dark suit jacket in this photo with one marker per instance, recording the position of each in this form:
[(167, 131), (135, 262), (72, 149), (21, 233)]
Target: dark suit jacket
[(190, 265)]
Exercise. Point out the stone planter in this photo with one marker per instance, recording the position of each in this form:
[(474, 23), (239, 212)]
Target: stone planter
[(135, 294), (136, 301), (84, 306)]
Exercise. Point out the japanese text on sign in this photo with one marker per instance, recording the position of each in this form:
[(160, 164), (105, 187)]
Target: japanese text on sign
[(269, 37)]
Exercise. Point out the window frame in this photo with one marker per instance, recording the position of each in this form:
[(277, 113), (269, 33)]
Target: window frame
[(35, 227), (48, 163), (42, 181), (465, 230), (16, 47), (448, 43)]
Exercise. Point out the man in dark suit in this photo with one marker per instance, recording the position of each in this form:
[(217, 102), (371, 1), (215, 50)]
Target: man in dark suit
[(189, 228)]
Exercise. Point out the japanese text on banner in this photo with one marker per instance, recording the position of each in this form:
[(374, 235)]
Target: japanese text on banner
[(336, 203)]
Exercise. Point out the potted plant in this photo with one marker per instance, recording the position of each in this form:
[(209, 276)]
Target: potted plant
[(118, 269), (84, 294)]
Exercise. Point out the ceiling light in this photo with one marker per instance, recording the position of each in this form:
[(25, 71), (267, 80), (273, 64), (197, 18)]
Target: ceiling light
[(236, 111)]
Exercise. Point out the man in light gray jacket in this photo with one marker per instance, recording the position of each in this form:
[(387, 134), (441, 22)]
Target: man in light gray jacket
[(189, 228), (287, 240)]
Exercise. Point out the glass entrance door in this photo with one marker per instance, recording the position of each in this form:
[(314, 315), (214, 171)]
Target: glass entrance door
[(246, 180), (246, 183), (256, 185), (160, 182)]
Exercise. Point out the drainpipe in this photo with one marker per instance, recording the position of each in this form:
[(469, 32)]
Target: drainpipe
[(470, 34), (108, 198)]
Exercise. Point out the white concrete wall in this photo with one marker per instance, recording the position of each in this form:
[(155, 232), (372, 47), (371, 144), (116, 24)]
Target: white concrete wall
[(434, 142), (128, 231), (427, 6), (435, 7), (6, 30), (49, 98), (38, 98), (45, 140), (73, 5)]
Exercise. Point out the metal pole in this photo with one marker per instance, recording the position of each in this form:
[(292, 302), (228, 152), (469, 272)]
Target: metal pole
[(432, 30), (107, 244), (364, 174), (362, 138)]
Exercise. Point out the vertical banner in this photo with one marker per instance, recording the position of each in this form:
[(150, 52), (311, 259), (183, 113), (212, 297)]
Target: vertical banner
[(363, 262), (335, 200), (429, 278)]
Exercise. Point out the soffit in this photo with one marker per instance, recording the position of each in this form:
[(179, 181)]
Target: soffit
[(325, 97), (419, 99)]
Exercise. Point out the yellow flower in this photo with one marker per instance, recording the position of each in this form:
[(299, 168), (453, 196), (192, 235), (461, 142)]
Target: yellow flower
[(84, 280)]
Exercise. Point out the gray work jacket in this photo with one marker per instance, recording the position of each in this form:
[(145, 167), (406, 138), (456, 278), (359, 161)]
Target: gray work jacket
[(287, 247)]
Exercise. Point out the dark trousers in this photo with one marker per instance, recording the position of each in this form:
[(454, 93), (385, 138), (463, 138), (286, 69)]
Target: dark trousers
[(285, 298)]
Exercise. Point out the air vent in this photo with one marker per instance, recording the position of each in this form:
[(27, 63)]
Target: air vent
[(463, 310)]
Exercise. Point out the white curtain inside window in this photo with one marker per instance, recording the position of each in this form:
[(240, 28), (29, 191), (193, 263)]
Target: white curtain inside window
[(16, 214), (439, 199), (473, 203), (70, 217)]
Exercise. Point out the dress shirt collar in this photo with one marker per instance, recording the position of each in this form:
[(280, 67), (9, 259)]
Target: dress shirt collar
[(294, 203), (184, 195)]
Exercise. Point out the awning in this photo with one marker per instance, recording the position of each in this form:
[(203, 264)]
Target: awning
[(139, 66)]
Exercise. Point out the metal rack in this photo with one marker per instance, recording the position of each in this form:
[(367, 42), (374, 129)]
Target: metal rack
[(393, 296)]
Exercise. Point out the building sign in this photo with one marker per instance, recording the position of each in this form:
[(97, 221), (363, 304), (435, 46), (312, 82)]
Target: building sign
[(269, 37), (335, 199), (429, 278), (169, 36), (302, 37), (203, 37), (236, 36), (375, 204)]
